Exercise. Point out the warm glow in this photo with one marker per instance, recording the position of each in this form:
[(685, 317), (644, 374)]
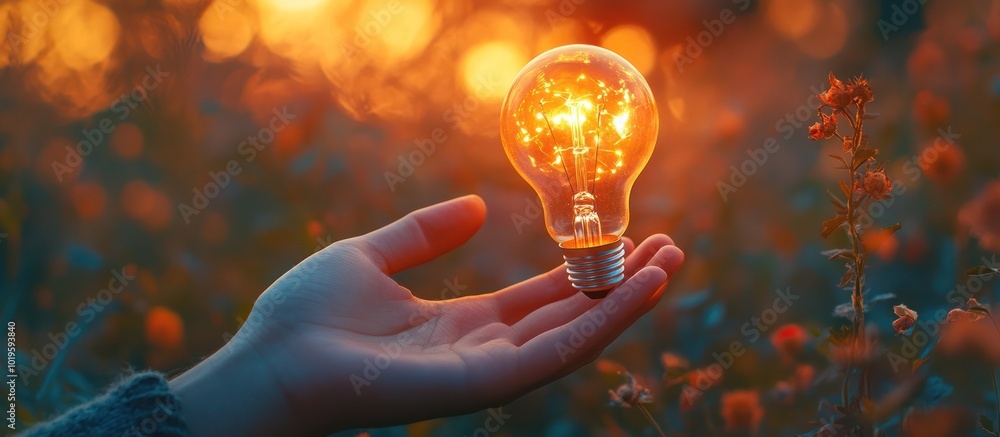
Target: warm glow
[(407, 32), (826, 40), (294, 5), (792, 18), (494, 62), (224, 34), (634, 44), (84, 33)]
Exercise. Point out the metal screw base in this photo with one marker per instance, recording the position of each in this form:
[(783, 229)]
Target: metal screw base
[(596, 271)]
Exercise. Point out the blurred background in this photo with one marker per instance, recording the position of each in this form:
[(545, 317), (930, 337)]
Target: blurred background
[(119, 119)]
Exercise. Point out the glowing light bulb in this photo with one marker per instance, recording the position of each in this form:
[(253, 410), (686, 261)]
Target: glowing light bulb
[(579, 123)]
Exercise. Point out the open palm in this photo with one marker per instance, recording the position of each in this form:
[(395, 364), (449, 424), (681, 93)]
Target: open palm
[(349, 347)]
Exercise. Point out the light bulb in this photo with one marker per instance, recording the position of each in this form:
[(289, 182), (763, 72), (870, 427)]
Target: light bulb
[(579, 123)]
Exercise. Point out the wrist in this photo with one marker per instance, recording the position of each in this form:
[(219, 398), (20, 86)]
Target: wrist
[(233, 392)]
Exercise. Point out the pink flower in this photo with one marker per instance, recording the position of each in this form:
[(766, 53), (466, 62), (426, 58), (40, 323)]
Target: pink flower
[(906, 319), (630, 393)]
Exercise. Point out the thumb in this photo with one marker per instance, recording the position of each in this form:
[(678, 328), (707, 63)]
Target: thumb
[(422, 235)]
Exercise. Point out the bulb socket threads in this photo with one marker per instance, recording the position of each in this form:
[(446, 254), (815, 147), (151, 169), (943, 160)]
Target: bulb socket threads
[(596, 271)]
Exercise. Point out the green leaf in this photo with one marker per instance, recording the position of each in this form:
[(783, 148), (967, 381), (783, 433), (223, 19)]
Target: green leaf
[(843, 162), (982, 310), (838, 253), (844, 189), (861, 155), (987, 424), (982, 271), (831, 225), (846, 279), (841, 206), (843, 336)]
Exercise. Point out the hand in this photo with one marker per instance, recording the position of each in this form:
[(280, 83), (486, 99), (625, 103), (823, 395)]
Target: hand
[(337, 344)]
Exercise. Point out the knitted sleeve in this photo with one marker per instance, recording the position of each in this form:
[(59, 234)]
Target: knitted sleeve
[(139, 405)]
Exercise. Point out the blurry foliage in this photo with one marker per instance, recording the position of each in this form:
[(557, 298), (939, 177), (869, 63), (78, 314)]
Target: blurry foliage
[(367, 81)]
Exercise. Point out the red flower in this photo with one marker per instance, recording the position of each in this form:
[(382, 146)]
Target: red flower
[(982, 217), (789, 340), (838, 96), (876, 184)]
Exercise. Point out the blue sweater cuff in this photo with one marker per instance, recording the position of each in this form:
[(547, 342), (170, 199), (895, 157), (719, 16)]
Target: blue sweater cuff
[(140, 404)]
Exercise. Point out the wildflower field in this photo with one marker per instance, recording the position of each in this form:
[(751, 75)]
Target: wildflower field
[(831, 170)]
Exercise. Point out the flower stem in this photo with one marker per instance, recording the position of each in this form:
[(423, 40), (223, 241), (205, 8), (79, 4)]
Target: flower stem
[(996, 400), (649, 417)]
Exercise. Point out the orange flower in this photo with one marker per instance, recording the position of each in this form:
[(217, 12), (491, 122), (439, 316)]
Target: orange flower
[(803, 377), (164, 328), (938, 422), (861, 91), (970, 333), (945, 161), (838, 96), (876, 184), (789, 340), (982, 216), (741, 410), (823, 129), (930, 110)]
